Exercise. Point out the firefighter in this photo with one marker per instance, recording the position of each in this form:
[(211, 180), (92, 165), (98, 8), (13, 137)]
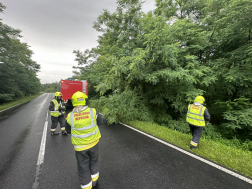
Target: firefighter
[(57, 108), (197, 117), (82, 122)]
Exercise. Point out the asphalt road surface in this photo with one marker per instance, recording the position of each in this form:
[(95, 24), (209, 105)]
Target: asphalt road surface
[(128, 159)]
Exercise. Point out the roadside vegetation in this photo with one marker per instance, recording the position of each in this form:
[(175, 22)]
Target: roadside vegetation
[(50, 87), (18, 101), (18, 72), (227, 153), (150, 66)]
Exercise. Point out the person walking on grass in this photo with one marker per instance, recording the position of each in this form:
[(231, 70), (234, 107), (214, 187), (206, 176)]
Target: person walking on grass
[(197, 117), (82, 122)]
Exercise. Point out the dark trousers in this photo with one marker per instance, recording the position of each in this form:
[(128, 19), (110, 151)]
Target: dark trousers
[(196, 134), (88, 164), (56, 120)]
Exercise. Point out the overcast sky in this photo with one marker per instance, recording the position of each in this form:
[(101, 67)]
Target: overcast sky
[(54, 28)]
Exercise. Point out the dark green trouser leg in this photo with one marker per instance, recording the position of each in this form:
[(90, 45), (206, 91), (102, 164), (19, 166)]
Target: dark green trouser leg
[(196, 134), (88, 165)]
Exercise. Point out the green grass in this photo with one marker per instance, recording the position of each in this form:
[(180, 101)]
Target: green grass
[(18, 101), (228, 156)]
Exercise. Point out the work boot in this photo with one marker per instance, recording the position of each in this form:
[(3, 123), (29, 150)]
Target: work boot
[(54, 133), (96, 186), (64, 132), (193, 147)]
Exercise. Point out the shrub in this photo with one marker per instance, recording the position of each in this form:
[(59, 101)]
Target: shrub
[(210, 131), (180, 125), (237, 116), (118, 108), (6, 98)]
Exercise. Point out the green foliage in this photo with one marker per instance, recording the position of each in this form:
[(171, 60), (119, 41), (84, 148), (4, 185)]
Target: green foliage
[(2, 7), (163, 119), (239, 119), (238, 104), (236, 156), (246, 145), (167, 57), (180, 125), (237, 116), (123, 107), (6, 98), (18, 101), (18, 71), (50, 87), (211, 132)]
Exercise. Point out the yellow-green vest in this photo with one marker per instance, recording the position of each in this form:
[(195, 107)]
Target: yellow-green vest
[(195, 115), (56, 112), (84, 129)]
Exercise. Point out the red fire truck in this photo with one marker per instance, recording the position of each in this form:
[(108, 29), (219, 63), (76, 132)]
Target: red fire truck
[(69, 87)]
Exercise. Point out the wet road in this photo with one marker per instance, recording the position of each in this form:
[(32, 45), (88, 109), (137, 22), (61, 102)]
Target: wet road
[(129, 160), (21, 129)]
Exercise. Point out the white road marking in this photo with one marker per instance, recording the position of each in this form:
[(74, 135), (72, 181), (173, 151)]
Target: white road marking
[(194, 156), (41, 153), (43, 143)]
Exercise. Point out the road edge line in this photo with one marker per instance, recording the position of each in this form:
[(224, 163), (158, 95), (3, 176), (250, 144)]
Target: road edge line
[(16, 105), (13, 106), (193, 155)]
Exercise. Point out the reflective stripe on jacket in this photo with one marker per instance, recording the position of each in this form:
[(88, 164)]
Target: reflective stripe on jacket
[(195, 115), (84, 130), (55, 113)]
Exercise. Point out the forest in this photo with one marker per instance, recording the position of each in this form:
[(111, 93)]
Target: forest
[(17, 69), (150, 66), (50, 87)]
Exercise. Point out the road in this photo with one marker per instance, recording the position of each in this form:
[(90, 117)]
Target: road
[(129, 159)]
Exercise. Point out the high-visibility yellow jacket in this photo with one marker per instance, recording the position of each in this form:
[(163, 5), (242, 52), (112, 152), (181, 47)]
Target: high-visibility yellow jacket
[(56, 112), (84, 129), (195, 115)]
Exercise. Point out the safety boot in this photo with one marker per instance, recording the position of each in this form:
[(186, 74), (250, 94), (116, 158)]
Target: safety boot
[(193, 147), (96, 186), (54, 133), (64, 132)]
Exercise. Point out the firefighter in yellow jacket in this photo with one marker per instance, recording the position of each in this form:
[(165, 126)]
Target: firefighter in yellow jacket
[(197, 116), (57, 108), (82, 122)]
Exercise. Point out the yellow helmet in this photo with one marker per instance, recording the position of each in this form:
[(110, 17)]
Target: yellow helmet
[(57, 94), (200, 99), (79, 98)]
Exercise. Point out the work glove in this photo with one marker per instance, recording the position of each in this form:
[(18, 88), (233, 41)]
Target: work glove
[(62, 109)]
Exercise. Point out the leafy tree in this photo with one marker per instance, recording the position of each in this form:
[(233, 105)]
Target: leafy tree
[(165, 58), (18, 72), (50, 87)]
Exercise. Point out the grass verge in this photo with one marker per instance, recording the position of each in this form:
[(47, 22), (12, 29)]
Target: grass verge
[(18, 101), (230, 157)]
